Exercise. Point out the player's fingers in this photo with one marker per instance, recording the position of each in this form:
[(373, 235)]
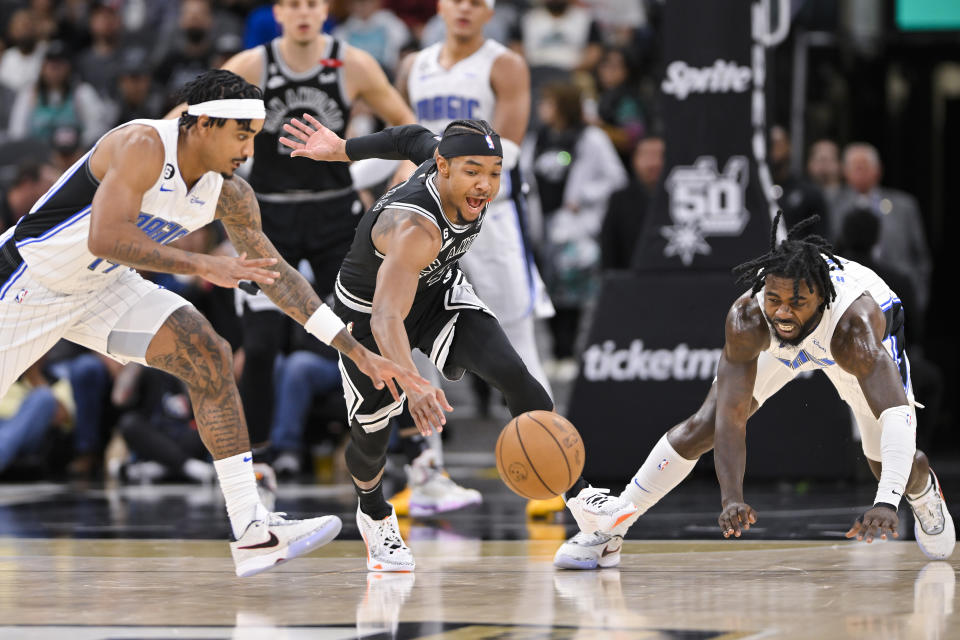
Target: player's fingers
[(854, 530), (744, 516), (422, 421), (304, 129), (435, 414), (392, 388), (257, 275), (258, 262), (442, 397), (296, 146), (316, 123), (300, 136)]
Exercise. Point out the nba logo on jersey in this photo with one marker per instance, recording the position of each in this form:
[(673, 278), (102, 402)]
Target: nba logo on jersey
[(663, 464), (21, 295), (489, 141)]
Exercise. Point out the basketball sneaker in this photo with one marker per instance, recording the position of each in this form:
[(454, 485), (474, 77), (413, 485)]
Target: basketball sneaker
[(596, 510), (933, 527), (266, 484), (589, 551), (386, 550), (431, 489), (274, 540)]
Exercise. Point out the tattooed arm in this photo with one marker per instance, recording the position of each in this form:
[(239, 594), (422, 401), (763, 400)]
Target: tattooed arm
[(239, 212), (127, 163)]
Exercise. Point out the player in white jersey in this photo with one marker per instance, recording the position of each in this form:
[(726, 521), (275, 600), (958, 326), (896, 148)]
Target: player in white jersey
[(807, 309), (67, 271)]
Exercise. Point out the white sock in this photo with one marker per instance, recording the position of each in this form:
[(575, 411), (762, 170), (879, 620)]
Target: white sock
[(926, 487), (198, 470), (239, 487), (663, 469)]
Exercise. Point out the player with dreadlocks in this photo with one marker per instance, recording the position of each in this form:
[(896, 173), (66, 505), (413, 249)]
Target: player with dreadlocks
[(400, 286), (806, 309)]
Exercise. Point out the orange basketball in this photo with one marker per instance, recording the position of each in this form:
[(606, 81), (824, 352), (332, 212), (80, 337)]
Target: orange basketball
[(539, 455)]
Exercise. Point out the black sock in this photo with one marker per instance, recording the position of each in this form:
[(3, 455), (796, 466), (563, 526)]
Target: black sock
[(577, 487), (373, 503)]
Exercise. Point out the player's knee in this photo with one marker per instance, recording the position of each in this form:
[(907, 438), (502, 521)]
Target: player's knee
[(213, 355), (366, 453), (921, 466)]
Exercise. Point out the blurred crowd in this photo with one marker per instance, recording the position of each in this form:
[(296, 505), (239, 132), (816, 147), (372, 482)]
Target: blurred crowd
[(72, 69)]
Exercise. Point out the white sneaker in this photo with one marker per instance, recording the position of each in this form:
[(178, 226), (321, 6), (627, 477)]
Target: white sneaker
[(386, 550), (589, 551), (432, 491), (933, 527), (287, 464), (274, 540), (596, 510), (266, 484)]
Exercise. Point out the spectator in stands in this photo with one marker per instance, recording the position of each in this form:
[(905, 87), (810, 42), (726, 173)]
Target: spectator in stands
[(43, 14), (193, 50), (99, 64), (415, 14), (377, 31), (300, 378), (619, 21), (797, 198), (30, 182), (30, 408), (59, 98), (65, 147), (903, 241), (619, 109), (628, 207), (823, 168), (20, 63), (558, 38), (576, 169), (160, 431), (137, 97)]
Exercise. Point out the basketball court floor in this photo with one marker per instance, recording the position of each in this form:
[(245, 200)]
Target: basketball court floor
[(105, 562)]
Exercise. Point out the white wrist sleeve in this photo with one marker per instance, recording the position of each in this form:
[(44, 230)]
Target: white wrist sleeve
[(511, 154), (898, 443), (324, 324)]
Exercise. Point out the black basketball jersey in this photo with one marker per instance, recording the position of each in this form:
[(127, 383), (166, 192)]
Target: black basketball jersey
[(358, 274), (286, 94)]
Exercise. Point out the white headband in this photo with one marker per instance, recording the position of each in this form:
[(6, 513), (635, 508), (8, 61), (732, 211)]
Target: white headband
[(237, 108)]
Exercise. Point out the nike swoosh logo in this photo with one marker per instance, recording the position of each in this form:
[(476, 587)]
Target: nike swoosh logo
[(162, 189), (896, 493), (247, 458), (271, 542), (607, 551)]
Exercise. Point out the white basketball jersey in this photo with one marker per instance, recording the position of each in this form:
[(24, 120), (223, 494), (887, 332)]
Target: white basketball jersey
[(439, 96), (814, 351), (52, 238)]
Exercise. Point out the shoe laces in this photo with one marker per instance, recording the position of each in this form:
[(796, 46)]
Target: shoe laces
[(278, 518), (599, 499), (590, 539), (388, 535)]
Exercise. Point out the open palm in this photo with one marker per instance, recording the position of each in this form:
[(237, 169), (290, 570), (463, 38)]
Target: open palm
[(313, 140)]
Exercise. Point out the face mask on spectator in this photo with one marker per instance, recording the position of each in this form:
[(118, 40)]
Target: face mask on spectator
[(195, 35)]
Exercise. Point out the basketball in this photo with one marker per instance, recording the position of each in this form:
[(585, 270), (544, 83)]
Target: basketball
[(539, 455)]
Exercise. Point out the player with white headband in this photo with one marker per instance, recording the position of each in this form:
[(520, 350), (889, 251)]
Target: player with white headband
[(67, 271)]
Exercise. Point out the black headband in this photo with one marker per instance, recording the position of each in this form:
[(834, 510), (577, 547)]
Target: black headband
[(470, 144)]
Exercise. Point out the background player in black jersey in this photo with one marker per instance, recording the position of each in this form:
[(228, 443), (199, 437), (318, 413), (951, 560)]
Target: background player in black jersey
[(400, 287), (309, 209)]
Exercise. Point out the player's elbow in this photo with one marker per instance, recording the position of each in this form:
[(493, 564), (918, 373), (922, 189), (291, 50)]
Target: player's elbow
[(382, 322), (97, 244)]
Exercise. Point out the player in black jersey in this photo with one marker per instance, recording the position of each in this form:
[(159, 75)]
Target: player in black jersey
[(400, 287), (309, 209)]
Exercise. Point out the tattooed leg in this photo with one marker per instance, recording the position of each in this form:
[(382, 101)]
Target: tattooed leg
[(187, 347)]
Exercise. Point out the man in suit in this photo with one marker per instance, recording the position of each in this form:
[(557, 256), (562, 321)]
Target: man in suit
[(902, 238)]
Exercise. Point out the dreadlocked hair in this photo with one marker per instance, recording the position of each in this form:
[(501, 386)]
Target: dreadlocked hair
[(468, 127), (798, 258), (215, 85)]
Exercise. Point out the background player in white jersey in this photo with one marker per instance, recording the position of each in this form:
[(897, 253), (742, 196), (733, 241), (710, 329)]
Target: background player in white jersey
[(807, 309), (66, 271)]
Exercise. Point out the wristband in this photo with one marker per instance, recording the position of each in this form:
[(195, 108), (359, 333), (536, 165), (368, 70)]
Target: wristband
[(324, 324)]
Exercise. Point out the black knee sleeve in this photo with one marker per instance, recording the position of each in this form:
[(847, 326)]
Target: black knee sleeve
[(481, 346), (366, 452)]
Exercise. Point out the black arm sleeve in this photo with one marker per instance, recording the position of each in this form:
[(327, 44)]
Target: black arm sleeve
[(408, 142)]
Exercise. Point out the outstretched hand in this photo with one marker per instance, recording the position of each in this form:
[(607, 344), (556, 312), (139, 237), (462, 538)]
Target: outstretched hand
[(314, 141), (736, 518), (877, 521)]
